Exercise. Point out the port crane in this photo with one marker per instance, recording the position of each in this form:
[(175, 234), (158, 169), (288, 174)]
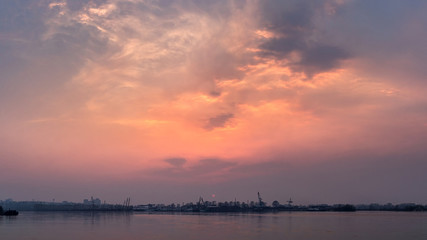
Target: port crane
[(201, 201), (290, 201), (126, 203), (261, 203)]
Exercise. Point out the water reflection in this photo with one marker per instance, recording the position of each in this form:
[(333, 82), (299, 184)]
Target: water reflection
[(85, 218), (114, 225)]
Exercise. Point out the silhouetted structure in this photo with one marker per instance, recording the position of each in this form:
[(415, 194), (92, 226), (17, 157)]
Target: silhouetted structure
[(86, 205), (200, 206), (8, 212)]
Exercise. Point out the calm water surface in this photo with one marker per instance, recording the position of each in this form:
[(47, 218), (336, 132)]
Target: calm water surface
[(284, 225)]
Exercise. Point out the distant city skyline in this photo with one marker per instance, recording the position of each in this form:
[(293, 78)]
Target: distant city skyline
[(322, 101)]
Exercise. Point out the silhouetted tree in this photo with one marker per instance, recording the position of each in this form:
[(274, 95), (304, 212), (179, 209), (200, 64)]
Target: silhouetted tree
[(276, 204)]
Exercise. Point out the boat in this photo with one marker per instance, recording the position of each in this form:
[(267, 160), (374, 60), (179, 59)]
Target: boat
[(8, 212), (11, 213)]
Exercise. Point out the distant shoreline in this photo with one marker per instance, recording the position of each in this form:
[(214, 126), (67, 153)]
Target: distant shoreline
[(206, 207)]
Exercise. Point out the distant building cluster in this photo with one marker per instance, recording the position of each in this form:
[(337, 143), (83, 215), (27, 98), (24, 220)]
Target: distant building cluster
[(92, 201), (95, 204)]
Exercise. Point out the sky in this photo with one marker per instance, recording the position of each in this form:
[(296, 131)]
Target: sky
[(165, 101)]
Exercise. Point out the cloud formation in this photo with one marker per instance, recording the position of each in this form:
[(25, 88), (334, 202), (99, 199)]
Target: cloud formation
[(291, 26), (235, 88)]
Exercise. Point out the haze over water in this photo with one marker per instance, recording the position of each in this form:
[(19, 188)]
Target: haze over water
[(289, 226)]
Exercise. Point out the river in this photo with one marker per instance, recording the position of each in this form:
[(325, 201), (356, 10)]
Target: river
[(268, 226)]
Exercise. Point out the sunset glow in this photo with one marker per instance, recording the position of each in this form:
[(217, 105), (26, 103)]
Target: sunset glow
[(172, 100)]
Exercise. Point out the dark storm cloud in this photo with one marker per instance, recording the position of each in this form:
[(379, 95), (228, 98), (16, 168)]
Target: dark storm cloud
[(292, 23)]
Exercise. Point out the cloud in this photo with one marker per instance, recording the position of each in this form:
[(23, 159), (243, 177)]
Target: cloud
[(353, 177), (386, 44), (321, 59), (208, 170), (292, 25), (218, 121), (78, 5), (258, 85), (205, 166), (176, 162)]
